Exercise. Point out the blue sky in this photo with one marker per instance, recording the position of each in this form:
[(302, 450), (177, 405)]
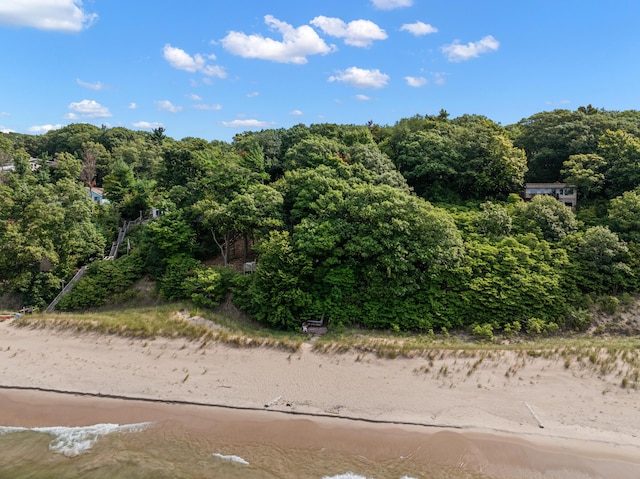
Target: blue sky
[(211, 69)]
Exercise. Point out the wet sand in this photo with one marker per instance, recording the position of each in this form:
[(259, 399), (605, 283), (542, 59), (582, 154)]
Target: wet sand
[(356, 403)]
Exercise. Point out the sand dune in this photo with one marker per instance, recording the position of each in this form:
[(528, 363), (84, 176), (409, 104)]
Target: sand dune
[(511, 396)]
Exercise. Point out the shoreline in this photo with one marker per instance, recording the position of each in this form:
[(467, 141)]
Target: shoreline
[(490, 407), (494, 454)]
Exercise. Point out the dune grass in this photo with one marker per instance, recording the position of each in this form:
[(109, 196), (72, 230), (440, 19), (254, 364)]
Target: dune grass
[(168, 321), (605, 356)]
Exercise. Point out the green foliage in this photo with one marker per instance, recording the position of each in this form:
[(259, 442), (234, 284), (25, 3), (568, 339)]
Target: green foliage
[(342, 232), (102, 282), (494, 221), (499, 283), (174, 283), (624, 215), (545, 216), (483, 331), (538, 327), (600, 260), (608, 305), (208, 286)]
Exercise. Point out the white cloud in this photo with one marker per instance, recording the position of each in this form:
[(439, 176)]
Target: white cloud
[(70, 116), (166, 105), (146, 125), (132, 105), (296, 44), (391, 4), (456, 52), (181, 60), (53, 15), (361, 78), (418, 28), (194, 97), (91, 86), (253, 94), (296, 112), (202, 106), (416, 81), (5, 114), (89, 109), (4, 129), (249, 123), (363, 98), (43, 128), (358, 33)]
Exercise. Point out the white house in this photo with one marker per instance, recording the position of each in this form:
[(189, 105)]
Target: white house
[(560, 191)]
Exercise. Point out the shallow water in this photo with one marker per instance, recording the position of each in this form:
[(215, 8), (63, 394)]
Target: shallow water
[(168, 450)]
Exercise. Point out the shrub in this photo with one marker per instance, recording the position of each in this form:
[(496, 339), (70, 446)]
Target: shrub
[(484, 331)]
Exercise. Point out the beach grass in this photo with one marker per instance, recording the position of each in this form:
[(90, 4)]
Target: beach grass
[(606, 356), (168, 321)]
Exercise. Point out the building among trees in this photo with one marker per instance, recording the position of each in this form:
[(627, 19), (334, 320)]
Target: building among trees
[(563, 192)]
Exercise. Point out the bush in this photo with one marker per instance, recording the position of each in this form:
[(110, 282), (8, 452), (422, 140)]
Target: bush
[(608, 305), (102, 282), (484, 331), (537, 327), (208, 286)]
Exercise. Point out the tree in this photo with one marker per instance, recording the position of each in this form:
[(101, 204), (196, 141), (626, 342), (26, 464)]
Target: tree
[(119, 182), (586, 172), (494, 220), (601, 261), (313, 151), (621, 150), (545, 216), (624, 215), (357, 253)]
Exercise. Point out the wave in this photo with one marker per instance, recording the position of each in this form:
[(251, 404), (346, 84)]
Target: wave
[(351, 475), (232, 458), (73, 441)]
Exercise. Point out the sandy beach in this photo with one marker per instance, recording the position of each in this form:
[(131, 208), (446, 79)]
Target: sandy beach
[(511, 411)]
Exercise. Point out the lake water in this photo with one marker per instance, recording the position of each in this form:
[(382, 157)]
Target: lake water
[(168, 449)]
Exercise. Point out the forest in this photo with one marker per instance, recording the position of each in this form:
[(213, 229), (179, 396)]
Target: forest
[(418, 226)]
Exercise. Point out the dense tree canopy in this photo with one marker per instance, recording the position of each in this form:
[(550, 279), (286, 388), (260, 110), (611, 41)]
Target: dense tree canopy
[(416, 226)]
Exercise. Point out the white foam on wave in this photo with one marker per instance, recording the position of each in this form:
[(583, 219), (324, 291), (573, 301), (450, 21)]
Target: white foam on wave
[(351, 475), (231, 457), (73, 441), (348, 475)]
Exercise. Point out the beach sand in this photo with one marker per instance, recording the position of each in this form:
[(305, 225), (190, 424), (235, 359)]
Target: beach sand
[(502, 413)]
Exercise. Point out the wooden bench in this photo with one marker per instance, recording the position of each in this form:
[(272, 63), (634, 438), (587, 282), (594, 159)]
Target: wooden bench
[(316, 323)]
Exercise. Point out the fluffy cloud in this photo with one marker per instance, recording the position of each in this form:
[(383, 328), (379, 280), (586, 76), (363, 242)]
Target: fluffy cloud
[(249, 123), (296, 112), (391, 4), (132, 105), (416, 82), (43, 128), (181, 60), (358, 33), (363, 98), (456, 52), (166, 105), (296, 44), (53, 15), (88, 109), (361, 78), (419, 28), (146, 125)]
